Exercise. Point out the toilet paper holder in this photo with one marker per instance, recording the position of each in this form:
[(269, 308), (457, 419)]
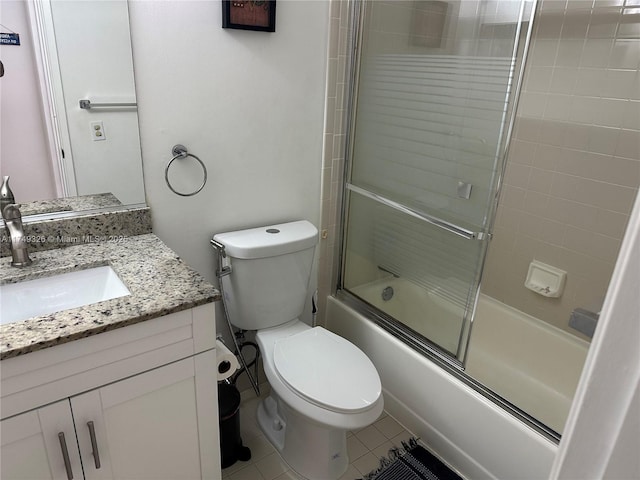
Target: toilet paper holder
[(226, 361)]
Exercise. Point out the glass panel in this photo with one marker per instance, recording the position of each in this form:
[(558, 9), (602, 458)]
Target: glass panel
[(392, 257), (430, 110), (434, 80)]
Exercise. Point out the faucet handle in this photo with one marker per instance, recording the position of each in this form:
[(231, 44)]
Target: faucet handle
[(19, 245), (6, 195), (11, 212)]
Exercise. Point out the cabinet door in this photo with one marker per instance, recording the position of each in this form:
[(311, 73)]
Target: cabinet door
[(32, 447), (161, 424)]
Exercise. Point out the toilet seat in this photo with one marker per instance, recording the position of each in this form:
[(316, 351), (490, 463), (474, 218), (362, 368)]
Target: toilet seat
[(327, 370)]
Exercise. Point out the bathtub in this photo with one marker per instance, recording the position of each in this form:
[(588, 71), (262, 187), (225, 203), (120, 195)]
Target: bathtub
[(534, 365), (468, 431), (409, 303)]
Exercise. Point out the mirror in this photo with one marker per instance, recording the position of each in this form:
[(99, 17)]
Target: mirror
[(75, 51)]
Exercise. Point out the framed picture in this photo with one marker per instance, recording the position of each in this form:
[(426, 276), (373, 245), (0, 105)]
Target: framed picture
[(257, 15)]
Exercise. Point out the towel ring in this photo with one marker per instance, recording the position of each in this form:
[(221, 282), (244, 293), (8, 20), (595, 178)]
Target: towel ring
[(180, 151)]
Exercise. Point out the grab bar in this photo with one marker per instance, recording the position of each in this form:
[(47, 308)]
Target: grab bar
[(435, 221), (86, 104)]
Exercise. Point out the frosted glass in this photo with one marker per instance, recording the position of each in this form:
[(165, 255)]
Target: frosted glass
[(434, 83)]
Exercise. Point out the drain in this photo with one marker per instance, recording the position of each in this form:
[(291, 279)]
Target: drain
[(387, 294)]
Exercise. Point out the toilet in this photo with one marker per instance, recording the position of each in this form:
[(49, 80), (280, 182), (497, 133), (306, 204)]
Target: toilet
[(321, 384)]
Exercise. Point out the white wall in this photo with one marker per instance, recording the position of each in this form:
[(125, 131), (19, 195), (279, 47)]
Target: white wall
[(24, 153), (249, 104)]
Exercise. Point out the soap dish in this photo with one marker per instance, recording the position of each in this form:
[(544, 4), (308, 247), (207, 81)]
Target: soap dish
[(545, 280)]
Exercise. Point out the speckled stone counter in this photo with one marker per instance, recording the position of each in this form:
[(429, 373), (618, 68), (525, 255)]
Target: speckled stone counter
[(87, 227), (159, 281), (69, 204)]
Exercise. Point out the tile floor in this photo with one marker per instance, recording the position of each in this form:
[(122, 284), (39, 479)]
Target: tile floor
[(365, 447)]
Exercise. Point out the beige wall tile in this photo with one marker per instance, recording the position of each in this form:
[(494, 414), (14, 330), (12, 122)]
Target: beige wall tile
[(517, 175), (532, 104), (557, 107), (611, 223), (569, 53), (548, 157), (522, 152), (603, 139), (590, 81), (540, 180), (619, 84), (624, 54), (596, 52), (535, 203), (583, 153), (604, 23), (631, 118), (576, 136), (551, 232), (628, 145), (537, 79)]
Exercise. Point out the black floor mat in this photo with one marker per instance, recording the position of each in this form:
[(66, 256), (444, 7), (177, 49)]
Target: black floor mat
[(412, 462)]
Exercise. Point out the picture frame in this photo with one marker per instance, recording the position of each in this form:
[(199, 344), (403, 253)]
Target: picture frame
[(257, 15)]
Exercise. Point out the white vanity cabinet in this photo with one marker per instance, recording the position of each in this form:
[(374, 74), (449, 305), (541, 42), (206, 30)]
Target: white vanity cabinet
[(142, 397), (31, 447)]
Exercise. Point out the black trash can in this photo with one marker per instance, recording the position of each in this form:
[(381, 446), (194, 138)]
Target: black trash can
[(231, 448)]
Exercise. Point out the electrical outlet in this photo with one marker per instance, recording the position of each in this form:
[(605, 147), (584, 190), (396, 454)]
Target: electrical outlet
[(97, 131)]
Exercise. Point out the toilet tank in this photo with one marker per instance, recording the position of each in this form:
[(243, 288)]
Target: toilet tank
[(271, 267)]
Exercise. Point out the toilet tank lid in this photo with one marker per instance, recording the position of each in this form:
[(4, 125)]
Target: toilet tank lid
[(269, 241)]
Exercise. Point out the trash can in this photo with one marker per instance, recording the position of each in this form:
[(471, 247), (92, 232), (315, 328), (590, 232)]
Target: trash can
[(231, 448)]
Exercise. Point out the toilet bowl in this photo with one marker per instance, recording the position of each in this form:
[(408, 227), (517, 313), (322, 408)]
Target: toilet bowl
[(321, 387), (321, 384)]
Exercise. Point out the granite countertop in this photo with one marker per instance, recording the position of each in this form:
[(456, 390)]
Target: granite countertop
[(159, 281), (69, 204)]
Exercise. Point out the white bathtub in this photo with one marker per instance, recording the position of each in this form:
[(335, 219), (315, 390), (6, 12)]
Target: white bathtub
[(411, 305), (464, 428), (530, 363)]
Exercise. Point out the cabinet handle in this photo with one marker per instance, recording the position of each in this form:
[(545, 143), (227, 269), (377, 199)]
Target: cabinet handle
[(94, 444), (65, 455)]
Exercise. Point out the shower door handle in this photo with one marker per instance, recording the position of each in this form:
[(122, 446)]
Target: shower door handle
[(435, 221)]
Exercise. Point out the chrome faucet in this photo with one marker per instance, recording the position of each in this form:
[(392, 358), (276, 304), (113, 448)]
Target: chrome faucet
[(13, 221)]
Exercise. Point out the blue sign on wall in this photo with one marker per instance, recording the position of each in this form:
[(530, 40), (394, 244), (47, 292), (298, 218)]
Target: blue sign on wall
[(9, 39)]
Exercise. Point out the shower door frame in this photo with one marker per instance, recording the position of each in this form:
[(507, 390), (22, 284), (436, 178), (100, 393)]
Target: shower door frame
[(452, 365)]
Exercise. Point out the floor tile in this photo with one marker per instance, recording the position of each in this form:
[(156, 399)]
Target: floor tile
[(383, 450), (271, 466), (371, 437), (250, 472), (366, 463), (290, 475), (403, 437), (351, 474), (227, 472), (260, 447), (355, 448), (389, 427)]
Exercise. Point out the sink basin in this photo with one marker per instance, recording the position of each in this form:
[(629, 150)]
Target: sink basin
[(19, 301)]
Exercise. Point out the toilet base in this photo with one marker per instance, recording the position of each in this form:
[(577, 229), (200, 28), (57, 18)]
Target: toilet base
[(315, 451)]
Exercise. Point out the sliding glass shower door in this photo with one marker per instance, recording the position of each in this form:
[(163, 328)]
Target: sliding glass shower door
[(431, 103)]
